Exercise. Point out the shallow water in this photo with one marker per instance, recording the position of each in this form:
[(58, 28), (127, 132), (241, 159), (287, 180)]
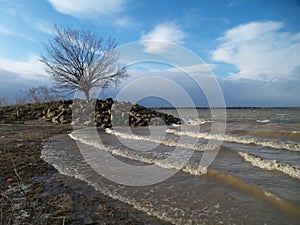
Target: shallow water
[(254, 178)]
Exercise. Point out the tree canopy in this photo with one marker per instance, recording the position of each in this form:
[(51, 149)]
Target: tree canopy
[(80, 60)]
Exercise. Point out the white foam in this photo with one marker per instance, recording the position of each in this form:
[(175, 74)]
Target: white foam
[(193, 169), (271, 165), (238, 139), (171, 143), (262, 121), (195, 122), (294, 132), (180, 215), (147, 208)]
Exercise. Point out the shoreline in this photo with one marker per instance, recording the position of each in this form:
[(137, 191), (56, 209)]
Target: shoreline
[(162, 198), (227, 107), (34, 192)]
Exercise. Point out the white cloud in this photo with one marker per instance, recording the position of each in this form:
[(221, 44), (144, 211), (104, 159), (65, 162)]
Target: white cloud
[(4, 30), (44, 27), (87, 8), (198, 69), (166, 32), (282, 92), (18, 76), (260, 50), (123, 22), (12, 32), (29, 69)]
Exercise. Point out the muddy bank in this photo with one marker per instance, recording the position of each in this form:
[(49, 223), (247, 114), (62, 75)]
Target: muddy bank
[(33, 192)]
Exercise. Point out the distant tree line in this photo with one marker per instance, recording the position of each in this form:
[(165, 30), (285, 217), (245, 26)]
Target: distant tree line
[(3, 101), (41, 94), (38, 94)]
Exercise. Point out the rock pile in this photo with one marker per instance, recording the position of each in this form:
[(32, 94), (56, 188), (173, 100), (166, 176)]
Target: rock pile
[(102, 113), (48, 111), (124, 114)]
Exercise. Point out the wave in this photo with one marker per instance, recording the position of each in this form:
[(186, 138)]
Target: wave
[(171, 143), (192, 169), (262, 121), (148, 207), (271, 165), (196, 169), (195, 122), (282, 134), (110, 191), (237, 139), (282, 114)]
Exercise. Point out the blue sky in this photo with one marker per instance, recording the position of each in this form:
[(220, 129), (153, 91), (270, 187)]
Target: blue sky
[(252, 47)]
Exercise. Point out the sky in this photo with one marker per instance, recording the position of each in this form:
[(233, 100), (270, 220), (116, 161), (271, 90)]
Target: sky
[(251, 47)]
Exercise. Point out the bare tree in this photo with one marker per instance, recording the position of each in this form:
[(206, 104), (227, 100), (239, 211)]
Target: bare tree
[(41, 94), (3, 101), (79, 60)]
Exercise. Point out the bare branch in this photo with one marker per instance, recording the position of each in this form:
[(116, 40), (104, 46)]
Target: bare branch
[(3, 101), (79, 60), (41, 94)]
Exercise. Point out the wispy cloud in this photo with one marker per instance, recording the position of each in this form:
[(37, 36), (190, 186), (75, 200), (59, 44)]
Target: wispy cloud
[(88, 8), (166, 32), (198, 69), (123, 22), (5, 31), (192, 19), (245, 92), (44, 27), (232, 4), (31, 68), (12, 32), (18, 76), (260, 51)]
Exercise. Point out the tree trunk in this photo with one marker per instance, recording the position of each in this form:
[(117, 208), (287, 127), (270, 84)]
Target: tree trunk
[(87, 95)]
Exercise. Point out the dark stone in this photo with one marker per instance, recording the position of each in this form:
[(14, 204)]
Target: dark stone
[(103, 113)]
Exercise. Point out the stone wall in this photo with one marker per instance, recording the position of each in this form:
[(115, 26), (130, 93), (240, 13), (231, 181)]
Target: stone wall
[(102, 113)]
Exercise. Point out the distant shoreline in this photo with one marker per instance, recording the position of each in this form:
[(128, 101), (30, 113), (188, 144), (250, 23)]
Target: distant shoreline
[(230, 107)]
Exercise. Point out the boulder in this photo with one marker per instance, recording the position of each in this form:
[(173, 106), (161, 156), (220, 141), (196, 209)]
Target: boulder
[(103, 113)]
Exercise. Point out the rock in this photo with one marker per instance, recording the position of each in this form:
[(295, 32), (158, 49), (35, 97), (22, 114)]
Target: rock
[(105, 113), (88, 123), (19, 140), (55, 120), (20, 145), (9, 180), (51, 114)]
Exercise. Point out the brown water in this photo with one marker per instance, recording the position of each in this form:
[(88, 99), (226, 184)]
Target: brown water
[(254, 178)]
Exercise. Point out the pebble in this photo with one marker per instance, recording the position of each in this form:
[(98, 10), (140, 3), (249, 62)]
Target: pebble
[(9, 180), (20, 145)]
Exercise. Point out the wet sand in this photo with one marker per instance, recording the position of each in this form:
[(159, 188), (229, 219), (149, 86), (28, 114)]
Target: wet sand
[(33, 192)]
